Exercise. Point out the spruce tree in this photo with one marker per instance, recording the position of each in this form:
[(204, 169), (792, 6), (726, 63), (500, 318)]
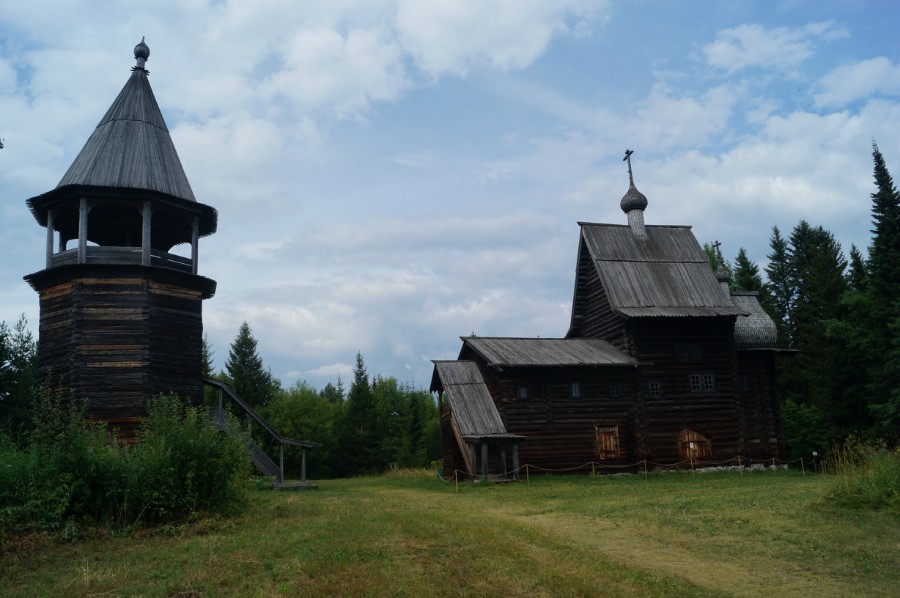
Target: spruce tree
[(882, 302), (779, 288), (246, 373)]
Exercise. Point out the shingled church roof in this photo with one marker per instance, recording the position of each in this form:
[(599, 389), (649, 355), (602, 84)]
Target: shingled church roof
[(662, 274)]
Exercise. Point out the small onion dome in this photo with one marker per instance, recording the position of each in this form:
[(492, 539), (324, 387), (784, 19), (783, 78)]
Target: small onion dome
[(141, 53), (722, 275), (633, 200)]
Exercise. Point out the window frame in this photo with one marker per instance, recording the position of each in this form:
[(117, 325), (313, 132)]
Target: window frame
[(654, 389), (575, 390), (700, 382)]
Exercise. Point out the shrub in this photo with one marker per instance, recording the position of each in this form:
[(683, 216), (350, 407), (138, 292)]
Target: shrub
[(183, 466), (73, 473), (866, 475)]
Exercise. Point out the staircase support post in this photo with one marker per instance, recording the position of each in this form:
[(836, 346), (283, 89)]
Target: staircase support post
[(281, 465), (303, 465)]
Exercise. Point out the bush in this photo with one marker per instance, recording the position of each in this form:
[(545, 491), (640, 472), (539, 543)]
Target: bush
[(73, 473), (183, 466), (866, 475)]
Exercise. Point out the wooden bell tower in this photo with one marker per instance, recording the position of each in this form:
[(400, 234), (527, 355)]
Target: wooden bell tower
[(120, 313)]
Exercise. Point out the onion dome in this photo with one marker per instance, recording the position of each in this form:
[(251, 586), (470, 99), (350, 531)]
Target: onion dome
[(633, 199), (141, 54)]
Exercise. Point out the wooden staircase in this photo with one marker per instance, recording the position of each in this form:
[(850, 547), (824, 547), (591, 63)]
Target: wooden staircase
[(262, 461)]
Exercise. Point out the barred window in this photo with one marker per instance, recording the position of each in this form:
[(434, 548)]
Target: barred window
[(688, 352), (702, 382)]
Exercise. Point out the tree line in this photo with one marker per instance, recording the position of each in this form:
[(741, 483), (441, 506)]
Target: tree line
[(379, 423), (842, 315)]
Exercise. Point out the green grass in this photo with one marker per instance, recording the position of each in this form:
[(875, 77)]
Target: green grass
[(670, 535)]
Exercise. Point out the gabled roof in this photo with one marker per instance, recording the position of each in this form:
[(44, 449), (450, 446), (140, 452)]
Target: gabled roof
[(473, 408), (513, 352), (131, 147), (756, 330), (662, 274)]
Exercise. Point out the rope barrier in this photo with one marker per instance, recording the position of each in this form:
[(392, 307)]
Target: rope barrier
[(737, 462)]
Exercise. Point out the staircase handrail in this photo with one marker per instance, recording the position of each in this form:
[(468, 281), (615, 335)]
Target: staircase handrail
[(209, 381)]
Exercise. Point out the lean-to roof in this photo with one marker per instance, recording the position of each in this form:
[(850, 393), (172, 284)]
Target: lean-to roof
[(470, 402), (662, 274), (513, 352)]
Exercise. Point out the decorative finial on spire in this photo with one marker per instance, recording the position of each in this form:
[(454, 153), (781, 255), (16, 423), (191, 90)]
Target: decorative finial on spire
[(141, 54), (627, 158)]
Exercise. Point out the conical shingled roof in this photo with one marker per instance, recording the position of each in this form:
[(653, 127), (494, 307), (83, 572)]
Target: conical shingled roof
[(131, 147)]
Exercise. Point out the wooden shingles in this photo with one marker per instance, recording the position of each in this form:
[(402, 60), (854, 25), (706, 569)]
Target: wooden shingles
[(663, 274), (498, 351), (131, 147), (757, 329), (470, 401)]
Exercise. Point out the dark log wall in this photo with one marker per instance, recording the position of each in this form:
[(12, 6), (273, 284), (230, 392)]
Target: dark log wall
[(116, 341), (756, 389), (592, 316), (707, 349), (560, 429)]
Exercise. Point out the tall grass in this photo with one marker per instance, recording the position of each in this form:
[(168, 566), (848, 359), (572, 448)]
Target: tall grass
[(865, 475)]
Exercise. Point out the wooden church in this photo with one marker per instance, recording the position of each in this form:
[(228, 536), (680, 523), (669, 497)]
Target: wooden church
[(120, 311), (662, 365)]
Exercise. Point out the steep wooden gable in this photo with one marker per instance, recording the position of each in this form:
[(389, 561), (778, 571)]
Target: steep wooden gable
[(661, 274)]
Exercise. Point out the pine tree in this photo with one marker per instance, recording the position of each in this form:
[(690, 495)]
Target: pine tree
[(856, 272), (779, 288), (882, 302), (253, 382), (18, 376), (359, 435)]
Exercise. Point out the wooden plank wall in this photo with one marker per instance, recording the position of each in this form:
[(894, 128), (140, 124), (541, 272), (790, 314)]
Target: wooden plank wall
[(115, 342), (592, 315), (560, 429), (717, 414)]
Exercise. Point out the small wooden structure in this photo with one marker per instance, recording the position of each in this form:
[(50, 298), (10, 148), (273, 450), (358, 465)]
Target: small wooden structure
[(661, 362)]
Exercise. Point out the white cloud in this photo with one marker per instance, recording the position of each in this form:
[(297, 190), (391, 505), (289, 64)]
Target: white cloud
[(860, 80), (454, 36), (779, 48)]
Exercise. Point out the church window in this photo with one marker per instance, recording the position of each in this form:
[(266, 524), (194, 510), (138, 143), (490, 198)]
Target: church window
[(702, 382), (688, 352)]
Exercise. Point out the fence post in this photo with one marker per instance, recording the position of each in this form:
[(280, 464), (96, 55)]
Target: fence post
[(741, 465), (645, 469), (692, 466), (527, 475), (456, 477), (802, 468)]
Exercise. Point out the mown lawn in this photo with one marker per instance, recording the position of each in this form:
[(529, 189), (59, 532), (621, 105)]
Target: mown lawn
[(766, 533)]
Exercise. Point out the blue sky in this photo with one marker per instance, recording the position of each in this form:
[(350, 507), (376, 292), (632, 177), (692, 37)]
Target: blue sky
[(392, 174)]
